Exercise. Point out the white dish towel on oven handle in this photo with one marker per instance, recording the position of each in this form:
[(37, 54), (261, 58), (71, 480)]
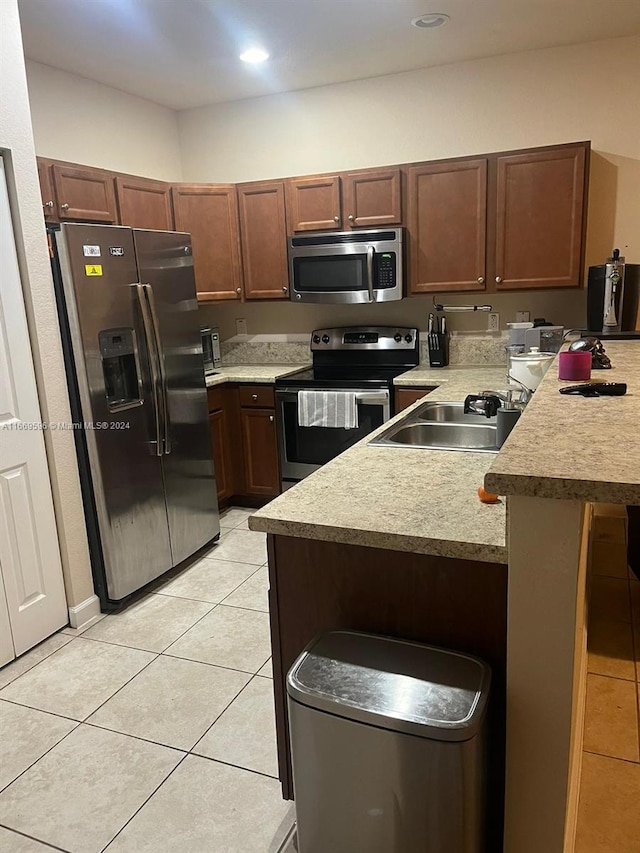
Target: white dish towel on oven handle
[(334, 409)]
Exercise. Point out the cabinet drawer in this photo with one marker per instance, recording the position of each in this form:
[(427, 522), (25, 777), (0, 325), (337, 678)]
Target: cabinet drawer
[(215, 398), (262, 396)]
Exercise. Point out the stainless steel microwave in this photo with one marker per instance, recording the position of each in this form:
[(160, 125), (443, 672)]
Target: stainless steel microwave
[(347, 266)]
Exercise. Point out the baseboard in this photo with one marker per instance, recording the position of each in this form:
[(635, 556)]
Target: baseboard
[(83, 615)]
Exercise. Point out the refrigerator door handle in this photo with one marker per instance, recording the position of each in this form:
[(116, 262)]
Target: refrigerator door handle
[(163, 375), (153, 364)]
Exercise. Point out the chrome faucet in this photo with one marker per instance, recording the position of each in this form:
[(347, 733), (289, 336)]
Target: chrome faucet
[(487, 403)]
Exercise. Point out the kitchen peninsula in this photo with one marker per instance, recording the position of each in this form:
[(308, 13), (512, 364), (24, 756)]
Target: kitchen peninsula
[(395, 541)]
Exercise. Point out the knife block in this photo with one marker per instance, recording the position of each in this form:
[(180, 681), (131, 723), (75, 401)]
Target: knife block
[(438, 346)]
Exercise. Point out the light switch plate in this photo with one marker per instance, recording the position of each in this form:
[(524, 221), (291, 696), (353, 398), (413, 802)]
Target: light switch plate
[(523, 316), (241, 326)]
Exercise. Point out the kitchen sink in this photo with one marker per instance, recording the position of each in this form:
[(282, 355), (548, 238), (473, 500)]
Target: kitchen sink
[(441, 426)]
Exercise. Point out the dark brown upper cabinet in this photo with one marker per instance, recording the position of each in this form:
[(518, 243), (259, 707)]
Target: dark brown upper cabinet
[(144, 203), (209, 212), (539, 218), (371, 198), (313, 204), (447, 226), (84, 194), (46, 191), (263, 238)]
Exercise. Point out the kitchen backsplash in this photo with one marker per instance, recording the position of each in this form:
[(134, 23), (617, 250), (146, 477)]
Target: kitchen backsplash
[(464, 348)]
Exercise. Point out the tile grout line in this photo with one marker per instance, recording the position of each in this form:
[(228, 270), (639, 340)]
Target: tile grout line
[(37, 663), (205, 733), (33, 763), (235, 589), (143, 804), (33, 838), (611, 757), (53, 713)]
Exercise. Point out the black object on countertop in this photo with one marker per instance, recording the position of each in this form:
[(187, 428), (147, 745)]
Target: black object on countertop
[(597, 389), (599, 359)]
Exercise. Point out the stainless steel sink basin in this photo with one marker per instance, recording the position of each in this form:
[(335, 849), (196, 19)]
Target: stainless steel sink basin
[(441, 426)]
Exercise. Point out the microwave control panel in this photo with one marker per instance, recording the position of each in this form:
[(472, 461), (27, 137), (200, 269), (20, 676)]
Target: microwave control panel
[(385, 270)]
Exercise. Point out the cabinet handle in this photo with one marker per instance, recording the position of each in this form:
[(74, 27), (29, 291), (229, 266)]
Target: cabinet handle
[(351, 217), (254, 396), (64, 206), (336, 219), (271, 418), (480, 279), (498, 279), (238, 290), (48, 204), (285, 290)]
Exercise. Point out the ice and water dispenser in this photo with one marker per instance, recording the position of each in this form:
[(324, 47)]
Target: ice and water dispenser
[(123, 387)]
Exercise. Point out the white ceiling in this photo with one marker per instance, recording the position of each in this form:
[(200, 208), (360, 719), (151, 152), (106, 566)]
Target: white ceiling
[(184, 53)]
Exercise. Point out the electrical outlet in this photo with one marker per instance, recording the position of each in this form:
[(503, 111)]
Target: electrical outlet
[(522, 316), (494, 322), (241, 326)]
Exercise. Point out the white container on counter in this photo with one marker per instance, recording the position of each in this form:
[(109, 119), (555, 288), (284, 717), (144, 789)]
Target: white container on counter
[(517, 332), (529, 367)]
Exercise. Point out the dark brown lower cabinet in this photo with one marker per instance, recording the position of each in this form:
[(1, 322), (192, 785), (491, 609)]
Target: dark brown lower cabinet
[(405, 397), (454, 604), (221, 454), (260, 446)]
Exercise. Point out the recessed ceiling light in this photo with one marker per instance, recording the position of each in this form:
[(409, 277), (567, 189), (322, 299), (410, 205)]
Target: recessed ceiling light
[(431, 21), (254, 54)]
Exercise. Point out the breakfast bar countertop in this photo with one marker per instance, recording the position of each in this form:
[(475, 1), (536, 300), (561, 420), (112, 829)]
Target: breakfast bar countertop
[(401, 498), (574, 447)]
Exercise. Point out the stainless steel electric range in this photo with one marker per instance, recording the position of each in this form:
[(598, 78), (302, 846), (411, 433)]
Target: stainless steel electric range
[(359, 359)]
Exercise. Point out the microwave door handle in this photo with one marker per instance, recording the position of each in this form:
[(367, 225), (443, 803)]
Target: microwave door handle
[(153, 364), (370, 254), (161, 368)]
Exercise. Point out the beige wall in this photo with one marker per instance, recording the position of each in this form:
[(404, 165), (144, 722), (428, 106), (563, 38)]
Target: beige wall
[(16, 139), (83, 121), (516, 101)]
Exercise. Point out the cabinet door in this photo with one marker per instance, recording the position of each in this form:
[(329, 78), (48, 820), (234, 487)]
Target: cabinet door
[(209, 212), (539, 226), (371, 198), (313, 204), (447, 226), (46, 191), (262, 473), (84, 193), (263, 237), (221, 454), (144, 204)]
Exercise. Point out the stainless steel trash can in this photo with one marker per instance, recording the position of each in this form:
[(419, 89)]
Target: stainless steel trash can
[(388, 746)]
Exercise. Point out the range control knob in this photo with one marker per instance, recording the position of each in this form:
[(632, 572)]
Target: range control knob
[(408, 338), (316, 339), (397, 337), (325, 339)]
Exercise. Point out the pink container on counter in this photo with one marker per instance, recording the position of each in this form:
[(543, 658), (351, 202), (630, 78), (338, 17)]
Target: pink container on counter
[(575, 366)]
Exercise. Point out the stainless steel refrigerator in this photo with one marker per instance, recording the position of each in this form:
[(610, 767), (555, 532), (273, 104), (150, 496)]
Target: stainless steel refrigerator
[(133, 353)]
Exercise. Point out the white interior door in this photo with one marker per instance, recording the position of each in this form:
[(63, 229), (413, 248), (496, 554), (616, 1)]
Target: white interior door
[(31, 571)]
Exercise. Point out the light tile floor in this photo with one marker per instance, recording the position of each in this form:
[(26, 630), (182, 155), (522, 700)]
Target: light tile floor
[(609, 810), (154, 729)]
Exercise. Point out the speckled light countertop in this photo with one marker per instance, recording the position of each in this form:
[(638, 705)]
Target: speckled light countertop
[(583, 448), (259, 373), (403, 499)]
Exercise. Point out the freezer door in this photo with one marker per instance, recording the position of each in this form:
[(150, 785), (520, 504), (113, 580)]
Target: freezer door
[(117, 395), (166, 267)]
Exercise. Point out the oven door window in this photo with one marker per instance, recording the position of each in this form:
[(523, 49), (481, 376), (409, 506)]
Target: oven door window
[(330, 274), (317, 445)]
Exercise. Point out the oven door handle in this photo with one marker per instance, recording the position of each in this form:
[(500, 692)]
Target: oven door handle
[(370, 255), (369, 397)]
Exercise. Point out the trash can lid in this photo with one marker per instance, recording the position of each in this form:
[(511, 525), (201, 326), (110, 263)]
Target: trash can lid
[(394, 684)]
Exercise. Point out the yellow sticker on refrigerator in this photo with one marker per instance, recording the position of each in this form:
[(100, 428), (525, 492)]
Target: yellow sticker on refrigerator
[(93, 269)]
